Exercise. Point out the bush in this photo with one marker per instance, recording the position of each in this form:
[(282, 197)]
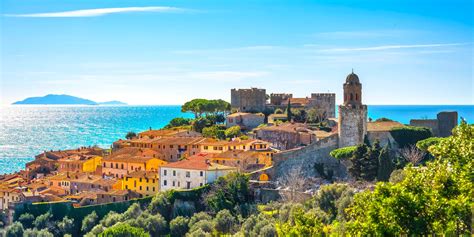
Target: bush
[(179, 226), (224, 221), (232, 132), (426, 143), (199, 217), (42, 221), (343, 153), (15, 230), (268, 231), (124, 230), (89, 222), (156, 225), (409, 135), (214, 131), (66, 225), (228, 192), (27, 220), (204, 225), (383, 120)]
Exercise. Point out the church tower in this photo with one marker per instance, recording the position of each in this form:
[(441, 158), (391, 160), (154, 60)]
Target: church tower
[(352, 113)]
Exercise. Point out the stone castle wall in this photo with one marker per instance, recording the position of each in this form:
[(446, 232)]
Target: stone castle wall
[(447, 121), (429, 123), (324, 102), (305, 158), (248, 100), (278, 98), (352, 125)]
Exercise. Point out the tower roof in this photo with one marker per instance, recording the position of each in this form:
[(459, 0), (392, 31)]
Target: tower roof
[(352, 78)]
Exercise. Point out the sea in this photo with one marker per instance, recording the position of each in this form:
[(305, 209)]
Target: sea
[(26, 131)]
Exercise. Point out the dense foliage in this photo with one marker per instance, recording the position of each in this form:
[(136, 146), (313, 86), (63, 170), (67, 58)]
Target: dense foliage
[(409, 135), (202, 106), (426, 143), (343, 153)]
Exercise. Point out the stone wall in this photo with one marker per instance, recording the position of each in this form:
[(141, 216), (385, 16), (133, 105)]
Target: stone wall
[(248, 100), (352, 124), (278, 98), (324, 102), (429, 123), (447, 121), (305, 158), (384, 137)]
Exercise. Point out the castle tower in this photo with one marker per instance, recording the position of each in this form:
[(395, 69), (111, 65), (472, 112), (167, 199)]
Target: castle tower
[(352, 114)]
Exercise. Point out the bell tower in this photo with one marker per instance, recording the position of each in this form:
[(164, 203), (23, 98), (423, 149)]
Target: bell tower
[(352, 125)]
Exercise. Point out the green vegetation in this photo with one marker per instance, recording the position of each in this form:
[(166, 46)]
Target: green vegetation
[(434, 198), (428, 142), (369, 162), (130, 135), (409, 135), (383, 120), (215, 131), (233, 132), (178, 122), (343, 153), (202, 106)]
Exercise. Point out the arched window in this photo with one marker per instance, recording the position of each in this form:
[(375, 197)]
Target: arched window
[(352, 96)]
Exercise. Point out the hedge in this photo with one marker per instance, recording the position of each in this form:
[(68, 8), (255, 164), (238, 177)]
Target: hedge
[(343, 153), (426, 143), (409, 135)]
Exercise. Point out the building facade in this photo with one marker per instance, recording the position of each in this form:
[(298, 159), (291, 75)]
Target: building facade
[(245, 121), (352, 126), (248, 100)]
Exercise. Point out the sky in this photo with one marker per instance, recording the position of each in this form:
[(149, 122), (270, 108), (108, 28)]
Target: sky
[(167, 52)]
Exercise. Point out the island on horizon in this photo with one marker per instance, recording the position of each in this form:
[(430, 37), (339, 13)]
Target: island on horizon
[(52, 99)]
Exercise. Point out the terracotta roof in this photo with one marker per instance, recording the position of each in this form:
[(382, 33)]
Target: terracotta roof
[(197, 162), (244, 114), (168, 133), (179, 140), (77, 158), (129, 159), (286, 127), (135, 151), (383, 126), (301, 101), (143, 174)]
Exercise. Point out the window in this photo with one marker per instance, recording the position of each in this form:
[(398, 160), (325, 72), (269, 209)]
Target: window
[(200, 184), (116, 165), (205, 147), (140, 180), (188, 174), (126, 187), (171, 146), (122, 166), (104, 165), (174, 172), (165, 183), (201, 173), (188, 185), (147, 189), (140, 188), (111, 165), (164, 172), (153, 189), (174, 183), (179, 184)]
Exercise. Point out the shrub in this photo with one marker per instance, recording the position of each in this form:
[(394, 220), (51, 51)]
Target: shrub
[(66, 225), (224, 221), (179, 226), (268, 231), (204, 225), (124, 230), (214, 131), (232, 132), (15, 230), (343, 153), (426, 143), (27, 220), (42, 221), (89, 222), (409, 135), (383, 120), (130, 135), (156, 225), (199, 217), (228, 192)]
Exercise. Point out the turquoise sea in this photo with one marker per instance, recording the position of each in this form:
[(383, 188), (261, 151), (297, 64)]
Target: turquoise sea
[(28, 130)]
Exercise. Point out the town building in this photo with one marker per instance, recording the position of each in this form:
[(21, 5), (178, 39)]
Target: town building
[(442, 126), (380, 131), (246, 121), (119, 166), (248, 100), (219, 146), (194, 171), (91, 182), (352, 125), (79, 163), (244, 160), (144, 182)]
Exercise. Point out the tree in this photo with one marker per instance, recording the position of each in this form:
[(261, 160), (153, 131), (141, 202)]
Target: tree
[(233, 132), (288, 111), (356, 169), (412, 154), (228, 192), (111, 219), (329, 197), (409, 135), (161, 204), (39, 233), (27, 220), (224, 222), (130, 135), (385, 165), (42, 221), (179, 226), (292, 186), (199, 217), (214, 131), (427, 143), (383, 120), (431, 200), (66, 225), (133, 212), (156, 225), (344, 152), (15, 230), (124, 230), (89, 222), (178, 122)]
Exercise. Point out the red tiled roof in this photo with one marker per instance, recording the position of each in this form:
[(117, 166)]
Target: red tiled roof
[(197, 162)]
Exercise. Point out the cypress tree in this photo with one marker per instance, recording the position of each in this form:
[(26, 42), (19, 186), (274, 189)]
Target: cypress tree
[(288, 111), (385, 165), (357, 161), (371, 162)]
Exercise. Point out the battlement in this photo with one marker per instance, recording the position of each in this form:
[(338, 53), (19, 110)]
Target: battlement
[(315, 95)]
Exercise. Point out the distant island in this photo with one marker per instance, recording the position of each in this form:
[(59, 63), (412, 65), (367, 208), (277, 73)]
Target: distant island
[(52, 99)]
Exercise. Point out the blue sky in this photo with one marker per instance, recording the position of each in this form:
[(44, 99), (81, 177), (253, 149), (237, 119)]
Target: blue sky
[(167, 52)]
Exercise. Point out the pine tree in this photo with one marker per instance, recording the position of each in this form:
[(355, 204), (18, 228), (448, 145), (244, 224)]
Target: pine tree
[(385, 165), (371, 162), (357, 161)]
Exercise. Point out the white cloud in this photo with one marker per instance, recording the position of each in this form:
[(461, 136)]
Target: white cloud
[(101, 12), (389, 47)]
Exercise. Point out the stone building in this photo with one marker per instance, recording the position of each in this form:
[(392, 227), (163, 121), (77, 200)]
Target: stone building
[(324, 102), (248, 100), (441, 126), (278, 98), (245, 121), (352, 125)]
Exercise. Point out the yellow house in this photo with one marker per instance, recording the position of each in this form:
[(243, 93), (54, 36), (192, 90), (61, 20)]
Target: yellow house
[(245, 160), (143, 182), (219, 146), (79, 163), (120, 166)]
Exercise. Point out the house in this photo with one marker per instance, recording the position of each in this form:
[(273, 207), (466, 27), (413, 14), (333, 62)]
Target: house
[(219, 146), (119, 166), (246, 121), (172, 148), (61, 181), (168, 133), (244, 160), (91, 182), (380, 131), (287, 135), (9, 195), (195, 171), (79, 163), (144, 182), (273, 118), (117, 196)]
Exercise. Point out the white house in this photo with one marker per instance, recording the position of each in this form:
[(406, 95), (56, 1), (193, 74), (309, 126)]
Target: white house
[(195, 171)]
